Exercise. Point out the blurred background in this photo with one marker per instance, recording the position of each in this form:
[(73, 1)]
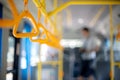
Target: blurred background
[(21, 59)]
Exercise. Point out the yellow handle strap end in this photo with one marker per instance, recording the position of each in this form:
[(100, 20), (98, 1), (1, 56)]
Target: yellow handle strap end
[(54, 42), (41, 34)]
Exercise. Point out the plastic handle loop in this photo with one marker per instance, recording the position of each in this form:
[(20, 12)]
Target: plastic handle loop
[(39, 39), (50, 39), (25, 14), (40, 26)]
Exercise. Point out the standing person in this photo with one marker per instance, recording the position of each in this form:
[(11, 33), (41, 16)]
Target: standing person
[(89, 49)]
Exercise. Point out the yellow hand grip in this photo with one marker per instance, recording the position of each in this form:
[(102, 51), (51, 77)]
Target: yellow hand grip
[(39, 39), (28, 15), (55, 45), (50, 39)]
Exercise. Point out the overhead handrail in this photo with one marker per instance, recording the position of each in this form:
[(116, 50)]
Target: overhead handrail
[(85, 2), (6, 23), (25, 14)]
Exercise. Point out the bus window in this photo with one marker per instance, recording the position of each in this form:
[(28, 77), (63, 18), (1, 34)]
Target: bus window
[(10, 54)]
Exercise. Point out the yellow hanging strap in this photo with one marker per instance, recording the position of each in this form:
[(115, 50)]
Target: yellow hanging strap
[(41, 27), (25, 4), (39, 15), (25, 14), (55, 20), (44, 13), (51, 36)]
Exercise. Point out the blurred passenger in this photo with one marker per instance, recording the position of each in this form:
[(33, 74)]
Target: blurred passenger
[(89, 49)]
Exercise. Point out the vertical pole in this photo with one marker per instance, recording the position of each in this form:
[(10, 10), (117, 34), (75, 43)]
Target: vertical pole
[(39, 76), (69, 17), (60, 22), (16, 59), (60, 65), (59, 53), (55, 18), (1, 9), (40, 63), (60, 25), (111, 47), (39, 71)]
